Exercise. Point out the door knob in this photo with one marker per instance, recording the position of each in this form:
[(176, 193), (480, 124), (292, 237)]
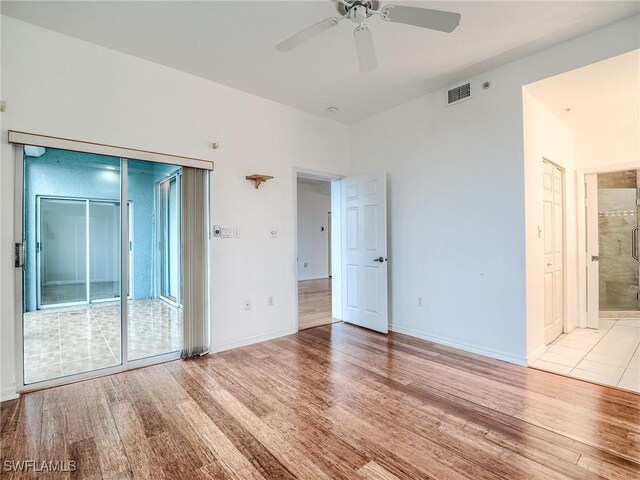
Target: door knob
[(380, 259)]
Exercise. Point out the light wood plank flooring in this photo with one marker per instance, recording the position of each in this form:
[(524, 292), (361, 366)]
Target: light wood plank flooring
[(314, 303), (333, 402)]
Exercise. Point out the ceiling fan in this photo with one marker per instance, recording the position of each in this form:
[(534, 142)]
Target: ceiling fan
[(359, 10)]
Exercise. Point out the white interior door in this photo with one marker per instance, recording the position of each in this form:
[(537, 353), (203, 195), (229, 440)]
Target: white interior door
[(553, 244), (592, 249), (364, 251)]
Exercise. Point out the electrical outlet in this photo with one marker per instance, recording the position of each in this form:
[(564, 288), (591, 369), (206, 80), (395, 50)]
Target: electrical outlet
[(305, 265), (419, 301), (274, 233), (247, 304), (270, 301)]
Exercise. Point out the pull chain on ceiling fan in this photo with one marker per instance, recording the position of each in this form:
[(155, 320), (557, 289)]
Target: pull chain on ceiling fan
[(359, 10)]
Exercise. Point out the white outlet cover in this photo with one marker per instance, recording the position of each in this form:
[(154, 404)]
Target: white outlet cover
[(274, 233), (247, 304)]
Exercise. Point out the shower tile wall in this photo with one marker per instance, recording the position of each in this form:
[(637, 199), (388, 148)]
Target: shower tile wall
[(617, 216)]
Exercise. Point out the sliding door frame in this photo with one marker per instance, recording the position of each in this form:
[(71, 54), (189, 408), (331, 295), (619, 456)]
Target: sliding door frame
[(160, 227), (18, 140)]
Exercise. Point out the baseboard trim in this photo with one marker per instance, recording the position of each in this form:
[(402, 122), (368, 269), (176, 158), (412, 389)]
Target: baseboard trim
[(506, 357), (262, 337), (533, 356), (8, 394)]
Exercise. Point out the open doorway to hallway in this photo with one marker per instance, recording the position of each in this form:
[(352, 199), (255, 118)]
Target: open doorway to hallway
[(314, 259), (586, 123)]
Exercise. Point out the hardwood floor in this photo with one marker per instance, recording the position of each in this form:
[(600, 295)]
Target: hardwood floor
[(314, 303), (333, 402)]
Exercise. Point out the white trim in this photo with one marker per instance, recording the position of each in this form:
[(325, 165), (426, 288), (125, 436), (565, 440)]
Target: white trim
[(47, 141), (486, 352), (8, 394), (537, 353), (262, 337)]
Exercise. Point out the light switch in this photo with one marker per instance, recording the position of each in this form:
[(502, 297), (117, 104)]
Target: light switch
[(226, 232)]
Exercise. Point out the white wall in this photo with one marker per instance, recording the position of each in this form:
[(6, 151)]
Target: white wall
[(314, 205), (61, 86), (546, 137), (457, 200)]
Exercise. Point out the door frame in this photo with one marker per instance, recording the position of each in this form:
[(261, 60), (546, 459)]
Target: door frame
[(582, 225), (565, 316), (19, 240), (159, 227), (335, 240)]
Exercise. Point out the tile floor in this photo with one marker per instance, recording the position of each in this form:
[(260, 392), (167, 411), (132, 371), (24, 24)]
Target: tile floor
[(67, 341), (609, 355)]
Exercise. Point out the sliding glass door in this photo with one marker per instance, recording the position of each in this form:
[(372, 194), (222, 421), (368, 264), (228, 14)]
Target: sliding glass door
[(74, 321), (78, 251), (155, 319)]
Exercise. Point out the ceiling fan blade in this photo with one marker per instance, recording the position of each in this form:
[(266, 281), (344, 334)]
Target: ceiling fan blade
[(309, 32), (365, 49), (422, 17)]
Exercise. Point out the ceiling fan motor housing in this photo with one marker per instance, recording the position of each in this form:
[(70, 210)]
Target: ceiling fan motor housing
[(358, 10)]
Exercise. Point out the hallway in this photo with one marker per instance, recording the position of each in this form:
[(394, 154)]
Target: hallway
[(314, 303)]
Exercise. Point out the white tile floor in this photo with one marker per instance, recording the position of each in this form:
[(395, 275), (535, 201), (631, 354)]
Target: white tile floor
[(609, 355)]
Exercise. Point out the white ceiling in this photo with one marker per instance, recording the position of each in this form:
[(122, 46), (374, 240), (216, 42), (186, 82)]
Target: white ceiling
[(601, 97), (231, 42)]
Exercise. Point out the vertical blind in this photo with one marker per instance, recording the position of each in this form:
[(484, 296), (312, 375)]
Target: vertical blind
[(195, 261)]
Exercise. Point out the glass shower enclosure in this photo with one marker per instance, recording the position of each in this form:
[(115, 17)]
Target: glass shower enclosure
[(619, 265)]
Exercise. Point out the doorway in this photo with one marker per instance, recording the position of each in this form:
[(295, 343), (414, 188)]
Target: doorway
[(315, 306)]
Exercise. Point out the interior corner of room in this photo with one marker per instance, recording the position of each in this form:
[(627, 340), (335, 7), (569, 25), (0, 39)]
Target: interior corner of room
[(359, 222)]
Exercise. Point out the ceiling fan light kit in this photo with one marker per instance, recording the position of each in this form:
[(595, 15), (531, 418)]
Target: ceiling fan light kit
[(358, 11)]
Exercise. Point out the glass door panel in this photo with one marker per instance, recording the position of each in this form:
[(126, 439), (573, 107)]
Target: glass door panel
[(618, 241), (62, 251), (71, 231), (104, 252), (154, 313)]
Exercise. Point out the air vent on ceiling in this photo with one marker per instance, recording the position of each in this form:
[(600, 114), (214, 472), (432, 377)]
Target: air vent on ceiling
[(459, 94)]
